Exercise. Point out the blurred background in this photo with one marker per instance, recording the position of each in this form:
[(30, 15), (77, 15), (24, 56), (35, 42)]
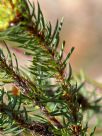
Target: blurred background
[(82, 29)]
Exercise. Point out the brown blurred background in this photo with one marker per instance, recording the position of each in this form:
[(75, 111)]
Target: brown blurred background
[(82, 29)]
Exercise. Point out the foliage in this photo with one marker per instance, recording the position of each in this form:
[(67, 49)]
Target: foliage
[(44, 87)]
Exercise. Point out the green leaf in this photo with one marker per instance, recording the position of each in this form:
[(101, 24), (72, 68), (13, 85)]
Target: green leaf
[(70, 73), (60, 55), (67, 58), (92, 134)]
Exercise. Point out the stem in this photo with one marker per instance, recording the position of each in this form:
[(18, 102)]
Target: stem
[(68, 97), (25, 86), (37, 127)]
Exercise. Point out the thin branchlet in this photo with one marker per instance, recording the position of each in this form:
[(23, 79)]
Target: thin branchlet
[(37, 127), (20, 81), (25, 86), (68, 97)]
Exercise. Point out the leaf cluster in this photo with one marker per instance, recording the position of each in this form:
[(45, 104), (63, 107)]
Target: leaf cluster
[(45, 82)]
